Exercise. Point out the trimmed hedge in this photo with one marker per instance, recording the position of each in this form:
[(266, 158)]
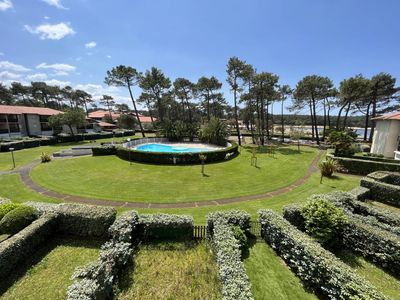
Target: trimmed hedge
[(107, 149), (292, 213), (380, 246), (85, 220), (316, 267), (361, 193), (232, 273), (361, 166), (234, 217), (6, 208), (42, 207), (165, 226), (17, 219), (180, 158), (4, 200), (386, 177), (381, 191), (95, 281), (23, 244)]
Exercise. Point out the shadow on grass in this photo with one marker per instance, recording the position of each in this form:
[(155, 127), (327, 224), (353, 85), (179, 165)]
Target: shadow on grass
[(49, 245)]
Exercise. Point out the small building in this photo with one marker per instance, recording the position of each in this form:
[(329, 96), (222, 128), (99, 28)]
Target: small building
[(17, 121), (101, 115), (387, 135)]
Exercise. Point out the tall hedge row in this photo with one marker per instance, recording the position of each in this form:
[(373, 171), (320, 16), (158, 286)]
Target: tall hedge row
[(381, 191), (316, 267), (25, 243), (165, 226), (232, 273)]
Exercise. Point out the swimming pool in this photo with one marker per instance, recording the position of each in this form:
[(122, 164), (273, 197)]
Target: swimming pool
[(175, 148)]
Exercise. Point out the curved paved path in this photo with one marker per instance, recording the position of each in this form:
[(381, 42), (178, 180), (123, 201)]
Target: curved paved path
[(25, 176)]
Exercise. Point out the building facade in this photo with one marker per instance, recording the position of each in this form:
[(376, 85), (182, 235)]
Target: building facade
[(387, 135)]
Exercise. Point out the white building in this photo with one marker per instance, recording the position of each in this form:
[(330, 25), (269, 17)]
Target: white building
[(387, 135)]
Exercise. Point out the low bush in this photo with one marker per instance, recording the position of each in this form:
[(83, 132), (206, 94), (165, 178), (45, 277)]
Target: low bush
[(165, 226), (17, 248), (240, 236), (42, 207), (45, 157), (319, 269), (85, 220), (386, 177), (362, 166), (95, 281), (232, 273), (178, 158), (371, 220), (381, 191), (6, 208), (292, 213), (107, 149), (17, 219), (323, 220), (361, 193), (328, 167), (4, 201)]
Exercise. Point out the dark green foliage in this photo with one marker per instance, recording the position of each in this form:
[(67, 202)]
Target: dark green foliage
[(6, 208), (180, 158), (45, 157), (85, 220), (342, 140), (20, 246), (328, 167), (107, 149), (319, 269), (178, 130), (126, 121), (165, 227), (71, 118), (360, 166), (234, 217), (214, 132), (240, 236), (292, 213), (381, 191), (323, 220), (17, 219)]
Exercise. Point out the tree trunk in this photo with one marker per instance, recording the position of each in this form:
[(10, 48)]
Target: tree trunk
[(282, 122), (136, 112), (323, 133), (315, 121), (373, 123), (338, 117), (366, 122), (236, 115), (262, 120), (345, 116), (312, 121), (329, 114)]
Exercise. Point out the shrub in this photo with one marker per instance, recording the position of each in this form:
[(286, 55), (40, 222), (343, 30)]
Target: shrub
[(4, 201), (44, 157), (166, 226), (240, 237), (17, 248), (107, 149), (381, 191), (232, 273), (292, 213), (126, 121), (319, 269), (234, 217), (42, 207), (361, 166), (328, 167), (6, 208), (214, 132), (17, 219), (85, 220), (342, 140), (361, 193), (323, 220)]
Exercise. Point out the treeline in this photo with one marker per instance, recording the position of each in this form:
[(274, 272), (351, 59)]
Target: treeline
[(254, 95)]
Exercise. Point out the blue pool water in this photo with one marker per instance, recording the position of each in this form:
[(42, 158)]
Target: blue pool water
[(170, 148)]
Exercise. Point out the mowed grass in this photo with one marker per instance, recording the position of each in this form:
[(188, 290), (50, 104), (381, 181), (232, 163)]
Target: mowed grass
[(109, 177), (26, 156), (386, 283), (13, 188), (172, 271), (51, 270), (270, 277)]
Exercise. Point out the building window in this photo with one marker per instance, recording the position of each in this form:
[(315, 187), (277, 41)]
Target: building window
[(12, 124), (44, 123)]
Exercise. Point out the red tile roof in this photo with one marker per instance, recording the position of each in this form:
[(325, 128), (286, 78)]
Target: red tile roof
[(99, 114), (391, 116), (19, 110), (105, 124), (145, 119)]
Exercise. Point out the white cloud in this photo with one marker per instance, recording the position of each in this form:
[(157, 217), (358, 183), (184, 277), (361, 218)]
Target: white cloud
[(58, 69), (6, 65), (46, 17), (55, 3), (5, 4), (51, 31), (37, 77), (108, 56), (7, 76), (57, 82), (90, 45)]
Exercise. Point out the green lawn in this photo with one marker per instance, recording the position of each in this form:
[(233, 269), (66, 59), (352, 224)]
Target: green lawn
[(25, 156), (269, 276), (51, 270), (385, 282), (172, 271), (108, 177), (13, 188)]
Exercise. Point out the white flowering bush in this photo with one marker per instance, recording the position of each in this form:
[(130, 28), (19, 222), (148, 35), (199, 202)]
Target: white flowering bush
[(166, 226)]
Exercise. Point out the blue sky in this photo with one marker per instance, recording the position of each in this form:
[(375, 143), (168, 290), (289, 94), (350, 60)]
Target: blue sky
[(76, 41)]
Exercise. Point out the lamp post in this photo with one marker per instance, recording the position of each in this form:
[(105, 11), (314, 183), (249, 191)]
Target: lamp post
[(129, 150), (12, 155)]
